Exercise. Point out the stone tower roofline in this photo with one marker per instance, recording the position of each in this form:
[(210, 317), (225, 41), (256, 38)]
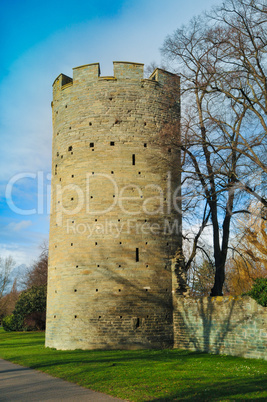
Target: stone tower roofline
[(123, 70)]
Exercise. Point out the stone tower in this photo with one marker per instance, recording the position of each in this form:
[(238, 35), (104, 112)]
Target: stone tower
[(114, 212)]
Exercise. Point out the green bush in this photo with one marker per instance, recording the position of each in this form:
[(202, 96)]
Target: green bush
[(259, 291), (29, 312), (9, 323)]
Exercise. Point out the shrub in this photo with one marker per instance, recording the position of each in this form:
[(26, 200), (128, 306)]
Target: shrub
[(29, 312), (259, 291), (9, 323)]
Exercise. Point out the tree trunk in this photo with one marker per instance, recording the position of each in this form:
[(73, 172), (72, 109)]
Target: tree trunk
[(180, 286), (219, 277)]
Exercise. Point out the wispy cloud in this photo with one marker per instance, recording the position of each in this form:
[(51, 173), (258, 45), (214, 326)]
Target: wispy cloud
[(17, 227)]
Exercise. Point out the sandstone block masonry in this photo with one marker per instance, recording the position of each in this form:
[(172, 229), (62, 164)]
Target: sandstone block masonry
[(115, 215), (225, 325)]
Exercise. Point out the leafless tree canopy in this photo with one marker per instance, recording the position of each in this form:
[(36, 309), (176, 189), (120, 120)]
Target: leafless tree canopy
[(37, 274), (221, 58), (6, 265)]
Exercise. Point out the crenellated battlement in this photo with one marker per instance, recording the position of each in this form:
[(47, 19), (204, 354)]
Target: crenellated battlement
[(123, 70)]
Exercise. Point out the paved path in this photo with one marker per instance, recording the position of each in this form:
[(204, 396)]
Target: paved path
[(21, 384)]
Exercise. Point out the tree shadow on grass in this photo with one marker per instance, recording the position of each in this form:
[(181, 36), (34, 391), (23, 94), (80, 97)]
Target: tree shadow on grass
[(242, 389)]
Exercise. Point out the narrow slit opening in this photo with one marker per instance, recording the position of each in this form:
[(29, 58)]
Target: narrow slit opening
[(137, 254)]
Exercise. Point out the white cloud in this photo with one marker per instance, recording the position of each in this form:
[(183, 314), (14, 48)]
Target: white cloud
[(17, 227), (21, 254)]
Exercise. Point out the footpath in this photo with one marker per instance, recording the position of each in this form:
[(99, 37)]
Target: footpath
[(21, 384)]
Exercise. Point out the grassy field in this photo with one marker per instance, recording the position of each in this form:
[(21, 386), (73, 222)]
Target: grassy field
[(147, 375)]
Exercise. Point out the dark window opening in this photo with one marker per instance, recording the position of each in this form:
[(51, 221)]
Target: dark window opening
[(75, 316), (145, 145), (137, 323), (57, 153), (137, 254), (92, 144), (72, 175), (112, 143), (96, 290), (70, 128), (169, 150), (90, 124), (75, 290), (133, 159)]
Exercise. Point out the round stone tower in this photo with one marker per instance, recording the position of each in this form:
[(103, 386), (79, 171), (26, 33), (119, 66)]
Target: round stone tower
[(115, 216)]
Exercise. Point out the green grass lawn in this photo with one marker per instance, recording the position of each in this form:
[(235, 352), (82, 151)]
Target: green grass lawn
[(145, 375)]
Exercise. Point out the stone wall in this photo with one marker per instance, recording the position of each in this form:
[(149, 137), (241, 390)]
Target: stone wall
[(109, 278), (224, 325)]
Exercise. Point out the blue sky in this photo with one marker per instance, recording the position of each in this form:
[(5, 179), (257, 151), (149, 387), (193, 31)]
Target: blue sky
[(40, 40)]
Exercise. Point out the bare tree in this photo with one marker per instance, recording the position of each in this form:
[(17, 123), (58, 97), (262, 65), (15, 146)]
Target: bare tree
[(6, 265), (223, 134), (8, 301), (37, 274), (239, 34)]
